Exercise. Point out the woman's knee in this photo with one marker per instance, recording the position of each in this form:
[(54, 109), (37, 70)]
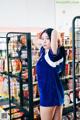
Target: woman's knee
[(47, 113), (58, 113)]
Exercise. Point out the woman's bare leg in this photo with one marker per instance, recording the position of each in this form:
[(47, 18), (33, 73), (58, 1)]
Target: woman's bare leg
[(58, 113), (47, 112)]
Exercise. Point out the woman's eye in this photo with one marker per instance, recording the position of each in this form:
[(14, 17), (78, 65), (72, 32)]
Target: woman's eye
[(45, 38)]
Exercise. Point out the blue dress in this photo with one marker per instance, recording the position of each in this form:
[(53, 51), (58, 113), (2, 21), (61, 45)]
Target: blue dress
[(48, 68)]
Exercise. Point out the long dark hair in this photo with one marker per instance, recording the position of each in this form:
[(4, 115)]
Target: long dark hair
[(48, 31)]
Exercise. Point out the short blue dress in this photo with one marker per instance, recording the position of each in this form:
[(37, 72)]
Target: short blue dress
[(50, 86)]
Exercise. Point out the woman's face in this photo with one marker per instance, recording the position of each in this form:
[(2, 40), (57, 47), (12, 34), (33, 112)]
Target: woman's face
[(45, 41)]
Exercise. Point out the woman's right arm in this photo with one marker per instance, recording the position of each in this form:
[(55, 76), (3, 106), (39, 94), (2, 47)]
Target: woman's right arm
[(54, 41), (58, 52)]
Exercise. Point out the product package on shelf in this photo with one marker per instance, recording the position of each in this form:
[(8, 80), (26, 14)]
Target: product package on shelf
[(66, 100), (3, 115), (35, 91), (37, 113), (67, 68), (67, 40), (4, 85), (62, 34)]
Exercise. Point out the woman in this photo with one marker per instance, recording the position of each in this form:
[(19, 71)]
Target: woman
[(49, 67)]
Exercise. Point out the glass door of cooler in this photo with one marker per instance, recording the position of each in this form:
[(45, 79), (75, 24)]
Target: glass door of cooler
[(19, 62), (76, 66)]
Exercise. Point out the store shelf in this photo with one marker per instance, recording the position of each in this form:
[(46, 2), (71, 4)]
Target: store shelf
[(67, 91), (68, 46), (36, 99), (35, 82)]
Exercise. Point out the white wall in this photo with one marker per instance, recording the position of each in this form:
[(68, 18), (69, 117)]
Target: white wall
[(27, 13), (65, 14)]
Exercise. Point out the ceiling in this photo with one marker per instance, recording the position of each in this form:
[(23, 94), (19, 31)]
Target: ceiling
[(67, 1)]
